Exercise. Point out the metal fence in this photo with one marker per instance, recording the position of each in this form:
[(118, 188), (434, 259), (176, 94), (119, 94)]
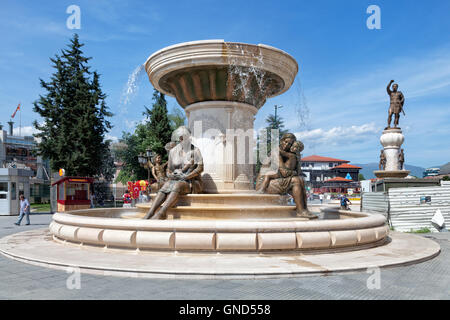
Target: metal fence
[(40, 193), (413, 208), (410, 208), (375, 202)]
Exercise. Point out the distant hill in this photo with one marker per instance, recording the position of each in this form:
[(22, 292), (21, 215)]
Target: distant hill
[(368, 169), (445, 169)]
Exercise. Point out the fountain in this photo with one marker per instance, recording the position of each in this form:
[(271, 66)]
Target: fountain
[(221, 87)]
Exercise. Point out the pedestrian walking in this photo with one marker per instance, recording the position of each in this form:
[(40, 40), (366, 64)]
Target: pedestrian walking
[(24, 210)]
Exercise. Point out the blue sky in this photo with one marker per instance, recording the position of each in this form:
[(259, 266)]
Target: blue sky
[(340, 88)]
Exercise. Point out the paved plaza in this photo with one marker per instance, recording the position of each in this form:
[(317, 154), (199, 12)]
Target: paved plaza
[(427, 280)]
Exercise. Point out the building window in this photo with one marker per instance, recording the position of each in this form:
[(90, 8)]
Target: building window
[(3, 186), (330, 165)]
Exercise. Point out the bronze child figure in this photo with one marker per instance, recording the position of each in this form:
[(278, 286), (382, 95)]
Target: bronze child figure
[(159, 172), (287, 169)]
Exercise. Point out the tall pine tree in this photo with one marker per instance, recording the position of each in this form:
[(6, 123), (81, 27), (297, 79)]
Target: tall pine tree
[(158, 124), (75, 115)]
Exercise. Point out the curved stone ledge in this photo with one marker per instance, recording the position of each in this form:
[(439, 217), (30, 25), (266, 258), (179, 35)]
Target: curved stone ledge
[(356, 230), (36, 247)]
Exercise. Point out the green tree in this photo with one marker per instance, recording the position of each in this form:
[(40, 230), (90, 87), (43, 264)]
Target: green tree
[(446, 178), (361, 177), (128, 155), (153, 134), (275, 123), (158, 127), (177, 118), (72, 135), (272, 123)]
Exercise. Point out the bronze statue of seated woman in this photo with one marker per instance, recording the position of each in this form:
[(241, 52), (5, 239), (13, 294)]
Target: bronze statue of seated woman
[(184, 170)]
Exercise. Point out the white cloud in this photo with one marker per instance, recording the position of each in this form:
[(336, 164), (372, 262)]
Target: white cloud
[(111, 137), (23, 131), (337, 135)]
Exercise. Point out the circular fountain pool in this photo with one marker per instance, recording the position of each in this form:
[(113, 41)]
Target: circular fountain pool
[(123, 228)]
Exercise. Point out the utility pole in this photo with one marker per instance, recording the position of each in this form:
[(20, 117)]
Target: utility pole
[(276, 108)]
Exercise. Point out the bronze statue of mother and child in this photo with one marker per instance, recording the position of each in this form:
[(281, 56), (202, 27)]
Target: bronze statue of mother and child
[(185, 165)]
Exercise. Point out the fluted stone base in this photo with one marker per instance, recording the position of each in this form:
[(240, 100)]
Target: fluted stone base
[(391, 174)]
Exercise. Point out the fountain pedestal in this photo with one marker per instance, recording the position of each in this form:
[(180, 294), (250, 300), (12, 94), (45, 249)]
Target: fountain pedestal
[(223, 131), (221, 86)]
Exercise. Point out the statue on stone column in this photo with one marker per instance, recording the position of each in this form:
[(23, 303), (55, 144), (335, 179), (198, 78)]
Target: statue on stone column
[(401, 159), (287, 178), (382, 164), (397, 100), (184, 170)]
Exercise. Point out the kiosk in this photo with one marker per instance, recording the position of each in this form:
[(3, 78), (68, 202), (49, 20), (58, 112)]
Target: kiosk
[(13, 182), (72, 193)]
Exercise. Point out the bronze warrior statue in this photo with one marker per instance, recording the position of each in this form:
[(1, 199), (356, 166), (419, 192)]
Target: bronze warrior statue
[(184, 168), (382, 164), (401, 159), (287, 178), (397, 100)]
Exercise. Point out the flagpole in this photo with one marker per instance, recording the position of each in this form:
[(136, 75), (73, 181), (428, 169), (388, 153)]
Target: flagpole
[(20, 122)]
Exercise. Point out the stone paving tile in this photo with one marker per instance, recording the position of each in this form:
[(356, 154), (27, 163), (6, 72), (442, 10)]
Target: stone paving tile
[(427, 280)]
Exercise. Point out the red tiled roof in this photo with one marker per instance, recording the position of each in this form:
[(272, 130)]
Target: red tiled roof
[(315, 158), (339, 179), (346, 166)]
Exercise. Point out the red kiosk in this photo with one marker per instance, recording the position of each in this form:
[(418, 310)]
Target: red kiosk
[(73, 193)]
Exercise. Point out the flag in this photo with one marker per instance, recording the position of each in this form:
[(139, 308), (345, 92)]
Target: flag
[(18, 108)]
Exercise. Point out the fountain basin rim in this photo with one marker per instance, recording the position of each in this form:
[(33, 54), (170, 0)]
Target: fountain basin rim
[(214, 41), (210, 54), (229, 226)]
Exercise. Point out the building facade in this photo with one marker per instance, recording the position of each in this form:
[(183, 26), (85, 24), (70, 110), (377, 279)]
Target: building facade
[(16, 152), (331, 175)]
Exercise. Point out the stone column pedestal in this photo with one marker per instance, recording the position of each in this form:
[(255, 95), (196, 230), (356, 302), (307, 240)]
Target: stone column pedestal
[(223, 131), (392, 140)]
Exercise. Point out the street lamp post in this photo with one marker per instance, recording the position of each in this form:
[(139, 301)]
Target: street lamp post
[(145, 161), (276, 108)]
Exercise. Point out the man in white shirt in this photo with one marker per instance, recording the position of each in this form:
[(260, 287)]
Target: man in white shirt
[(24, 210)]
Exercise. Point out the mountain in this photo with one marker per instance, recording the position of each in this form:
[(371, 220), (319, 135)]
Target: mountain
[(368, 169), (445, 169)]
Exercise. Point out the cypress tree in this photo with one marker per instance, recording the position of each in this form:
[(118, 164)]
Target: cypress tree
[(158, 126), (75, 115)]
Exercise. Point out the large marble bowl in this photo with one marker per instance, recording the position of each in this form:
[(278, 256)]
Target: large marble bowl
[(214, 70)]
